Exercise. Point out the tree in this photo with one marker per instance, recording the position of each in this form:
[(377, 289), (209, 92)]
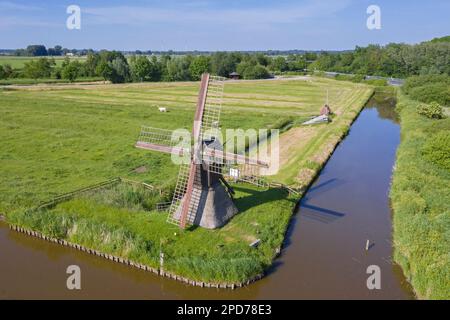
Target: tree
[(8, 70), (36, 50), (2, 73), (71, 70), (105, 70), (157, 69), (113, 66), (249, 69), (223, 63), (92, 60), (56, 51), (198, 66), (121, 70), (5, 71), (262, 59), (178, 70), (141, 68), (279, 64), (256, 72), (40, 68)]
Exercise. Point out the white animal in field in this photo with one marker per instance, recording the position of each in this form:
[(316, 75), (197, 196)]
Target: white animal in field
[(162, 109)]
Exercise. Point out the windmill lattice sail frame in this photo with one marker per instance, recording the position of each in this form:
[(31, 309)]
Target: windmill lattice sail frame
[(207, 156)]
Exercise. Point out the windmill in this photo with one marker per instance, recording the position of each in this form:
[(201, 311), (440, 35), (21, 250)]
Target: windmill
[(202, 196)]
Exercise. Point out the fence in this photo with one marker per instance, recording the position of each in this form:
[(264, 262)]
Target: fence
[(69, 195), (66, 196)]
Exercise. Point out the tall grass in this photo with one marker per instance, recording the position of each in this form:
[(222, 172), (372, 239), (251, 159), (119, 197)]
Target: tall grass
[(420, 199), (118, 221)]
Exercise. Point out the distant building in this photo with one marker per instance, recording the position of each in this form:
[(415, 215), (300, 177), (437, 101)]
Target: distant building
[(325, 111), (69, 54), (234, 75)]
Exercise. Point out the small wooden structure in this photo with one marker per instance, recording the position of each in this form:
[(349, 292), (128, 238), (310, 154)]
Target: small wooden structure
[(234, 75), (325, 111)]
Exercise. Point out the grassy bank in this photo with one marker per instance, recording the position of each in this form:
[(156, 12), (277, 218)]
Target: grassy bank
[(420, 199), (120, 221)]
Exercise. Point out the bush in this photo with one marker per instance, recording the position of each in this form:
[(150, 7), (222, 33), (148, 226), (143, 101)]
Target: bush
[(376, 82), (344, 77), (252, 70), (70, 71), (432, 110), (438, 92), (437, 149), (419, 81), (41, 68), (358, 78)]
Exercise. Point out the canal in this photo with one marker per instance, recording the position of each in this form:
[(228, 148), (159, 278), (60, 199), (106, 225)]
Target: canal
[(324, 255)]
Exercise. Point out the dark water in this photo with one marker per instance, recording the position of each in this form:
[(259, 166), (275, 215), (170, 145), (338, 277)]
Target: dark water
[(324, 256)]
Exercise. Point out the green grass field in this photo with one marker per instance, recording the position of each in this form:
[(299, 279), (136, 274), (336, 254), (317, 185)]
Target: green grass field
[(60, 138), (18, 62), (420, 199)]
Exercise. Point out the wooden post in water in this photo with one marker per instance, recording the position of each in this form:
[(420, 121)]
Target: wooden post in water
[(161, 260), (161, 256)]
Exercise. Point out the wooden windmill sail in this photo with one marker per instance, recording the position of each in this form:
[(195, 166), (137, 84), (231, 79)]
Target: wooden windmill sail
[(202, 196)]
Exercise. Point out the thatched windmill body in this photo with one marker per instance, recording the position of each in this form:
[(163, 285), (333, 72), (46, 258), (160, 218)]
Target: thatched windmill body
[(202, 196)]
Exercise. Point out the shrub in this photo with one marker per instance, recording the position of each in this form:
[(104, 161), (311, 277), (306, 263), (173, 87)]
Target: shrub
[(377, 82), (344, 77), (419, 81), (358, 78), (437, 149), (431, 92), (432, 110)]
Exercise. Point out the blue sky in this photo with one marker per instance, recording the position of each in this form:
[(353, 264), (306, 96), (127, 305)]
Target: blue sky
[(220, 24)]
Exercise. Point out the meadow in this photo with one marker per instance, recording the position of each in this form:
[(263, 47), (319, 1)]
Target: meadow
[(18, 62), (59, 138)]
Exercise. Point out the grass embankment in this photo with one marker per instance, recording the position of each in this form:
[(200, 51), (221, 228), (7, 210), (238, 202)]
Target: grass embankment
[(420, 199), (119, 221), (304, 150), (60, 138)]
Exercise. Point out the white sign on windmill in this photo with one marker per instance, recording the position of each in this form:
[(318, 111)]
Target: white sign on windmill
[(234, 173)]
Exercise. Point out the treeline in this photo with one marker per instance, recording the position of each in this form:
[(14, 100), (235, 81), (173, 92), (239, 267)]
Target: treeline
[(117, 68), (38, 50), (393, 60)]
